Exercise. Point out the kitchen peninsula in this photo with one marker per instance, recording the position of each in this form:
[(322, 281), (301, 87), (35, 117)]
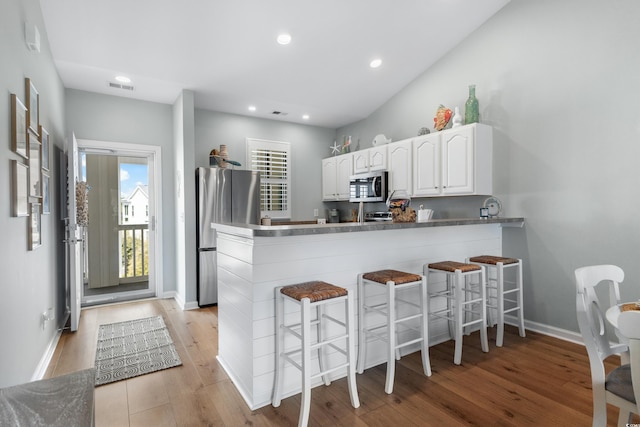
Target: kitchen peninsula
[(253, 260)]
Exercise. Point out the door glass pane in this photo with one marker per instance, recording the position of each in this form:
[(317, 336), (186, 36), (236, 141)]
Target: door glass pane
[(117, 238)]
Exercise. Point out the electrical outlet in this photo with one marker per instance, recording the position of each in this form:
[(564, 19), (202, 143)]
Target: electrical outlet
[(315, 212), (47, 316)]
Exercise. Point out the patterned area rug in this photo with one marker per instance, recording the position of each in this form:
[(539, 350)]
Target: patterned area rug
[(132, 348)]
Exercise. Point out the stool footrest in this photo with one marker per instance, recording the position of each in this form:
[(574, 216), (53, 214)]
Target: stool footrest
[(410, 303), (328, 341), (328, 371), (287, 357), (410, 317), (404, 344), (378, 308), (334, 320)]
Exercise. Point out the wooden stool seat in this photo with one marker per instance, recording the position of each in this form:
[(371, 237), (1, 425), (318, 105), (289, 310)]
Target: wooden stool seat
[(395, 276), (490, 259), (315, 291), (452, 266)]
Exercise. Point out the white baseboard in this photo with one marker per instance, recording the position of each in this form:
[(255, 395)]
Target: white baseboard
[(41, 369), (245, 395), (191, 305), (563, 334)]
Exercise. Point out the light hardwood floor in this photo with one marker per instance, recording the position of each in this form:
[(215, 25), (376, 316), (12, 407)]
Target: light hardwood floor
[(537, 381)]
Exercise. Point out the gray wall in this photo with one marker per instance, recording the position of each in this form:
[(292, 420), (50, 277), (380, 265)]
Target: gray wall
[(309, 144), (32, 281), (558, 81), (115, 119)]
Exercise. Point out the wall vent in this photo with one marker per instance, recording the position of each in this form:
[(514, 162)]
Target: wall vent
[(120, 86)]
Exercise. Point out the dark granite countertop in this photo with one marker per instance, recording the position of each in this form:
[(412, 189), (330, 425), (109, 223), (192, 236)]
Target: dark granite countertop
[(249, 230)]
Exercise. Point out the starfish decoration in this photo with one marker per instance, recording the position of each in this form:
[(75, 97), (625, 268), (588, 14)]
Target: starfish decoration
[(335, 149)]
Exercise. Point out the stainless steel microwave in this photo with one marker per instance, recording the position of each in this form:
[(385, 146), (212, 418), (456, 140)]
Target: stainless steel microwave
[(369, 187)]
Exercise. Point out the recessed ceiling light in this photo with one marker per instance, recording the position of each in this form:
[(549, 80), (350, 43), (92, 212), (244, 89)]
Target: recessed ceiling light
[(305, 117), (375, 63), (123, 79), (252, 108), (284, 38)]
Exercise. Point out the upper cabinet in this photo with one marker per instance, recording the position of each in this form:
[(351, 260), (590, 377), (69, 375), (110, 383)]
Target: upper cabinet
[(453, 162), (335, 177), (426, 165), (400, 167), (369, 160)]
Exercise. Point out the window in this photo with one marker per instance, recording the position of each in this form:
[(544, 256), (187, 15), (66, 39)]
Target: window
[(272, 160)]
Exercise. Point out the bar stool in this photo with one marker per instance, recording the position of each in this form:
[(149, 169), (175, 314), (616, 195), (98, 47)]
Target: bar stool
[(463, 298), (313, 295), (497, 295), (392, 281)]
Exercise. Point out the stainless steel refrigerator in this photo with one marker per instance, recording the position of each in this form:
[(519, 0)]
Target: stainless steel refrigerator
[(222, 196)]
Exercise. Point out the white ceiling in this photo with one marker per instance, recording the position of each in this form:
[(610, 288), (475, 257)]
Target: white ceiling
[(225, 51)]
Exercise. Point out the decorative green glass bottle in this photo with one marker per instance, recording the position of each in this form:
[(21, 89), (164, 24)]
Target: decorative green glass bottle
[(471, 114)]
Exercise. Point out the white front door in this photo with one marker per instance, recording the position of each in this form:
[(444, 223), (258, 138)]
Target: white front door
[(74, 235), (122, 247)]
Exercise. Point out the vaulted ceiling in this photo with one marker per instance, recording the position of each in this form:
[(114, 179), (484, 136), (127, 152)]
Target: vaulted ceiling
[(225, 51)]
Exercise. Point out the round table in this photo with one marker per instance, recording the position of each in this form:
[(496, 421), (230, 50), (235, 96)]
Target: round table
[(612, 314)]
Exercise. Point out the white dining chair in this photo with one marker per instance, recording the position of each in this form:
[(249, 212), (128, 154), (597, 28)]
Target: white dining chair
[(593, 327), (628, 385)]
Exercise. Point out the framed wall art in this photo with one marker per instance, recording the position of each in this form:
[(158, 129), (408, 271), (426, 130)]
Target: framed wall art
[(44, 140), (33, 105), (46, 203), (19, 127), (35, 227), (20, 190), (35, 154)]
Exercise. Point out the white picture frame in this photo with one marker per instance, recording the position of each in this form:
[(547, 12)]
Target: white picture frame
[(20, 189)]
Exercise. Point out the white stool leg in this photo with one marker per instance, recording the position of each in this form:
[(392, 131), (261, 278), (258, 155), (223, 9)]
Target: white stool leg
[(492, 296), (305, 399), (424, 306), (520, 298), (351, 351), (277, 387), (391, 338), (361, 326), (484, 339), (451, 290), (396, 338), (321, 349), (500, 303), (459, 296)]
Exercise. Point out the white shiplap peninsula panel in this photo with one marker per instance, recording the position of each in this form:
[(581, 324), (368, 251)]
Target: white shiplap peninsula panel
[(252, 266)]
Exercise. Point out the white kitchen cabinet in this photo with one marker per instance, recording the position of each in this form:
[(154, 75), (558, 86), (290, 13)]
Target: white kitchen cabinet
[(400, 166), (369, 160), (426, 165), (453, 162), (335, 177)]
